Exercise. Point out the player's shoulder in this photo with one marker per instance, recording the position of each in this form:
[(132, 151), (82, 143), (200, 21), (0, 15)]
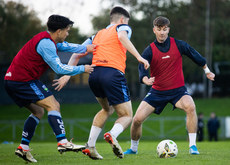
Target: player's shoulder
[(124, 27), (147, 50), (45, 43)]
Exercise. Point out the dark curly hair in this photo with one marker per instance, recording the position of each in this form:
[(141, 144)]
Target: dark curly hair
[(56, 22)]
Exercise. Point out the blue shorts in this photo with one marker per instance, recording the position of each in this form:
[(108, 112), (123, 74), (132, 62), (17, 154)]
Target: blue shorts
[(110, 83), (24, 93), (159, 99)]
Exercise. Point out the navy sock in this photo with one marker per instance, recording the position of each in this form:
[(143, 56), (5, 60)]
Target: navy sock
[(29, 129), (55, 121)]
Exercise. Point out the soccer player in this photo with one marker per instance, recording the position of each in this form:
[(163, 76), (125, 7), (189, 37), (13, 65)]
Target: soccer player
[(108, 82), (167, 81), (23, 85)]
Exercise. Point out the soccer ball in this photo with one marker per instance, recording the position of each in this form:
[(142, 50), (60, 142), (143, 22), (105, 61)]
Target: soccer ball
[(167, 149)]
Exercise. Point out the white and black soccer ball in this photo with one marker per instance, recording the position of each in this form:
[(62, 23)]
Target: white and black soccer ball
[(167, 149)]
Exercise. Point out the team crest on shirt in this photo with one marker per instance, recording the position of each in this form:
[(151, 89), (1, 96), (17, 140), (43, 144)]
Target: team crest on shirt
[(45, 88)]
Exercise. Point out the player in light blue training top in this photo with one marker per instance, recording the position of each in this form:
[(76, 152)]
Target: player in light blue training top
[(24, 87)]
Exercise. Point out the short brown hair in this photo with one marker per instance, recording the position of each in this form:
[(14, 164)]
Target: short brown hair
[(161, 21), (117, 12)]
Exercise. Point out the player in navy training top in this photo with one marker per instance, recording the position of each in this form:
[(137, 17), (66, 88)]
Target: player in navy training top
[(23, 85), (167, 81)]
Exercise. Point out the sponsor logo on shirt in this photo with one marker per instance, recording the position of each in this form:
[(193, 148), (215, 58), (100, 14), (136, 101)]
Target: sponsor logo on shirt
[(102, 61), (9, 74), (166, 57)]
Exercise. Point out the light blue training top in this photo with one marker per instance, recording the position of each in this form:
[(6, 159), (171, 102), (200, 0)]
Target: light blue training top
[(46, 48)]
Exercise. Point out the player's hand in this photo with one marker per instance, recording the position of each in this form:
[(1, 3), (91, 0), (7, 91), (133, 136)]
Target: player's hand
[(144, 62), (91, 48), (89, 68), (61, 82), (148, 81), (210, 76)]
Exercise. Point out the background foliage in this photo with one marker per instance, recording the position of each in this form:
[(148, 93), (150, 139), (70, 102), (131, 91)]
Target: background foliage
[(18, 25)]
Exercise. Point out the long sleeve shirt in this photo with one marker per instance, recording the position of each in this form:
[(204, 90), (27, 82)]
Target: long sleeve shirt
[(183, 47)]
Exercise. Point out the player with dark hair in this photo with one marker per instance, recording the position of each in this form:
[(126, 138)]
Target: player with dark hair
[(167, 81), (108, 82), (24, 87)]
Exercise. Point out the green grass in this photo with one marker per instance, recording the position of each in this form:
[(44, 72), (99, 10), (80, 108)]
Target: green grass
[(217, 105), (76, 112), (212, 153)]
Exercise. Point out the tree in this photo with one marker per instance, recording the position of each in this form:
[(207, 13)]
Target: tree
[(187, 23), (75, 36), (17, 26)]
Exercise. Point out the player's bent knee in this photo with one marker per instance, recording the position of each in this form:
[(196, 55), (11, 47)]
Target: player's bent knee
[(55, 106), (137, 121), (39, 113), (190, 109), (124, 114), (129, 119)]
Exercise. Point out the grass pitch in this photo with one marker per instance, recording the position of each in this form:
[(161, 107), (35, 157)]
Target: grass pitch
[(212, 153)]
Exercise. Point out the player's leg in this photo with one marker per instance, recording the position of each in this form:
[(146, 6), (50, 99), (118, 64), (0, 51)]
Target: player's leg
[(24, 95), (187, 104), (28, 131), (30, 124), (96, 128), (143, 111), (124, 112), (117, 92), (56, 123)]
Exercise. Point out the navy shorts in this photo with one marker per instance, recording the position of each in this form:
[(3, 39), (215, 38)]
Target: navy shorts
[(110, 83), (24, 93), (159, 99)]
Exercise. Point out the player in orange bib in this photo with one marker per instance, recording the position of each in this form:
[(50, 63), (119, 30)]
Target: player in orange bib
[(108, 82)]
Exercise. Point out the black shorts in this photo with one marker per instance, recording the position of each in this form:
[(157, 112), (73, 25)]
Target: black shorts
[(159, 99), (24, 93), (110, 83)]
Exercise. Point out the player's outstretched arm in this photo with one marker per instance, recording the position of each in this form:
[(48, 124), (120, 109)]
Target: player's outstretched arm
[(208, 73), (62, 81), (75, 48), (123, 37)]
